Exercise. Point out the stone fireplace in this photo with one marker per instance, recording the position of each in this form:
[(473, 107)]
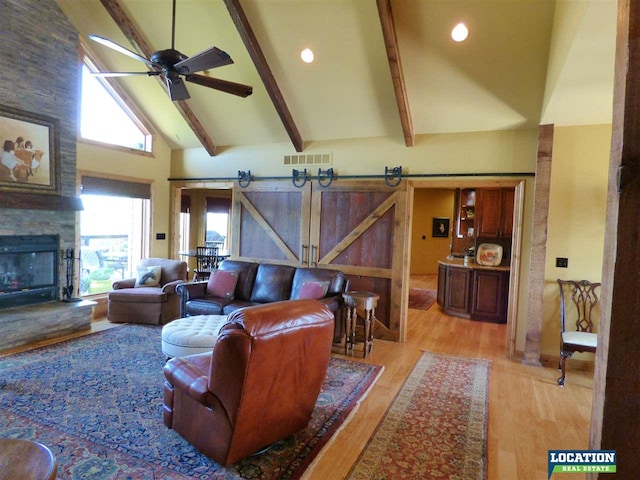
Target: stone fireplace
[(31, 279), (46, 84)]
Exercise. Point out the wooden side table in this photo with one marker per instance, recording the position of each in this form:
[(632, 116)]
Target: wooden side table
[(359, 306), (26, 460)]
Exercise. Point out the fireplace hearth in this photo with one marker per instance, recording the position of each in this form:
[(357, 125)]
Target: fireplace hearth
[(28, 269)]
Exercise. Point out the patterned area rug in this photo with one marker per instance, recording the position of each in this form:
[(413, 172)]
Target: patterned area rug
[(436, 428), (421, 299), (97, 403)]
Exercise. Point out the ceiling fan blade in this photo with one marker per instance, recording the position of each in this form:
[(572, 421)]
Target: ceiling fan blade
[(223, 85), (210, 58), (123, 74), (176, 88), (118, 48)]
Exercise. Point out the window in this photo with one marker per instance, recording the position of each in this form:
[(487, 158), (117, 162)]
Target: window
[(105, 117), (185, 223), (217, 227), (114, 231)]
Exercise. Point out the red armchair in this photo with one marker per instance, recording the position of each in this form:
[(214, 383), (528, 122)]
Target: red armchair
[(258, 385)]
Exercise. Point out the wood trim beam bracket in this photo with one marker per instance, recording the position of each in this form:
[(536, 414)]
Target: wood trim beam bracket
[(255, 52), (538, 246), (395, 65)]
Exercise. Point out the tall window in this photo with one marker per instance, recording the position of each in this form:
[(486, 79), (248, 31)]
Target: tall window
[(217, 230), (114, 231), (218, 210), (185, 223), (105, 117)]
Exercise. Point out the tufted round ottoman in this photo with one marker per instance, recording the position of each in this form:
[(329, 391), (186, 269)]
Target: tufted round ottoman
[(189, 335)]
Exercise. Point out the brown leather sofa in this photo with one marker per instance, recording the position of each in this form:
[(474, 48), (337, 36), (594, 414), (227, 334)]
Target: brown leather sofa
[(260, 283), (153, 305), (260, 383)]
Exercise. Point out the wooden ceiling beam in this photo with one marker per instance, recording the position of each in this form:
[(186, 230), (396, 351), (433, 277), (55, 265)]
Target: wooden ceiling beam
[(140, 44), (395, 65), (255, 52)]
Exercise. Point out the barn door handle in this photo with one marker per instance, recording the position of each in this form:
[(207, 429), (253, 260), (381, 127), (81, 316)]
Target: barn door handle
[(304, 258), (313, 255)]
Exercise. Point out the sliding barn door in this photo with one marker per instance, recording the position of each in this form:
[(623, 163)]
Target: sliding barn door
[(271, 223), (357, 227), (361, 229)]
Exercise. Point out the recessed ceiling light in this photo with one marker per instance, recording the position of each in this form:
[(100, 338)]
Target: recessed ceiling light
[(307, 55), (460, 32)]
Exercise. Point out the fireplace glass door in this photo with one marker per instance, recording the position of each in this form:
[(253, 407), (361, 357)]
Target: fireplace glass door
[(28, 269)]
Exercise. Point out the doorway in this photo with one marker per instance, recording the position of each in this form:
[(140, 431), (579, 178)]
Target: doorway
[(450, 184), (200, 215), (440, 196)]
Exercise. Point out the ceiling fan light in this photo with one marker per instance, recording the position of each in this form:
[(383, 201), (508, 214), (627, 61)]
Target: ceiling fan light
[(460, 32), (307, 55)]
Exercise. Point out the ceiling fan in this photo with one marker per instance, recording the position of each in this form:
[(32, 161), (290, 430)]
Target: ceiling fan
[(173, 66)]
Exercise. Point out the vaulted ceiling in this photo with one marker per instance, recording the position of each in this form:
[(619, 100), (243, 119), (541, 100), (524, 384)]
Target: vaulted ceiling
[(382, 68)]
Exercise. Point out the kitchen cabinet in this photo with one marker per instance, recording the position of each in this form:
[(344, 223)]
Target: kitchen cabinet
[(442, 275), (494, 212), (465, 217), (489, 295), (457, 291), (473, 291)]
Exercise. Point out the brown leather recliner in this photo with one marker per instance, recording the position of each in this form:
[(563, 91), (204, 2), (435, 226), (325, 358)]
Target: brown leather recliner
[(259, 385)]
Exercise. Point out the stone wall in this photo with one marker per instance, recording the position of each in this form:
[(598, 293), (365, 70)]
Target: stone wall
[(33, 323), (40, 74)]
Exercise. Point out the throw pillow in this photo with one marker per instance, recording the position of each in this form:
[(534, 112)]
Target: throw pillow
[(222, 283), (148, 276), (313, 290)]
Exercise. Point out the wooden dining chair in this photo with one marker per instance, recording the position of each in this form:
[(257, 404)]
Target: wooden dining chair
[(206, 261), (578, 310)]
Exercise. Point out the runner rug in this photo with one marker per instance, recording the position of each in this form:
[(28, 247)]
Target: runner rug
[(421, 299), (436, 427), (96, 402)]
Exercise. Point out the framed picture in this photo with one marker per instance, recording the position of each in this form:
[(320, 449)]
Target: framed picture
[(440, 227), (30, 160)]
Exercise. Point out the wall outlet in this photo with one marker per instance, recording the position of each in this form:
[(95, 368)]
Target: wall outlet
[(562, 262)]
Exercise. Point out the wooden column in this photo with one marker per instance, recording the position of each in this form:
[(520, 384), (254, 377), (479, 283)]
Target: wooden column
[(538, 246), (616, 405)]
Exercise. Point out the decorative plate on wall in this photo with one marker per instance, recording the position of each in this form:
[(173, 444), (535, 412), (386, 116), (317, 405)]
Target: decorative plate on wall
[(489, 254)]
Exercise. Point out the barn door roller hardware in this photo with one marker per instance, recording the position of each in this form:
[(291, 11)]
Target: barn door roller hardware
[(299, 178), (244, 178), (325, 177), (392, 176)]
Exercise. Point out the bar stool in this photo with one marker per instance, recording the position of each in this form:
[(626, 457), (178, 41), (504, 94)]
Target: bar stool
[(360, 306), (26, 460)]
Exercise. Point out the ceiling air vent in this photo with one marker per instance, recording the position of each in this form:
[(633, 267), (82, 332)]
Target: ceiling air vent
[(310, 159)]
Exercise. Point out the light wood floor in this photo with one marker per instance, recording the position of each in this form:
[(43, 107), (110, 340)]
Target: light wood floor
[(528, 413)]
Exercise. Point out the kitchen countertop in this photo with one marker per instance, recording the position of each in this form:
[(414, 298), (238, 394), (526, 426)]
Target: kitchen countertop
[(459, 262)]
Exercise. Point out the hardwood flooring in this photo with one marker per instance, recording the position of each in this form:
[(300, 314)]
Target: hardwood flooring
[(528, 413)]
